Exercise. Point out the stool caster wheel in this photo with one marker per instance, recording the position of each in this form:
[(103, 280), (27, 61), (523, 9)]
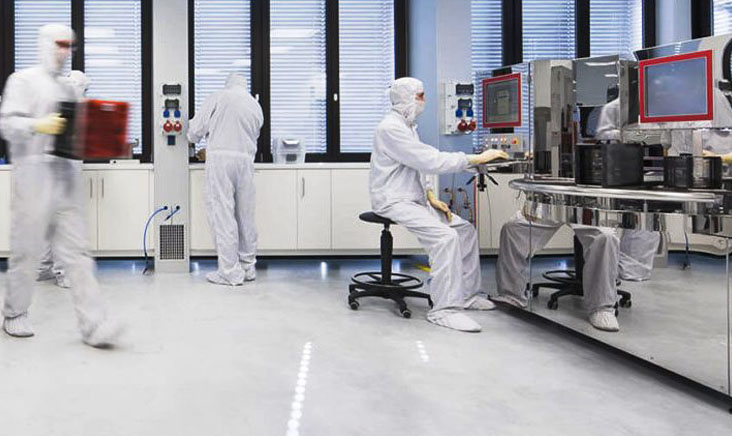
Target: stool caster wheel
[(429, 301), (406, 313), (626, 303), (354, 305), (534, 292), (552, 304)]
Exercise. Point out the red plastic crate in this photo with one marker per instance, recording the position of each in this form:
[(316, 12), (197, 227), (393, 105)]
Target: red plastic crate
[(104, 130)]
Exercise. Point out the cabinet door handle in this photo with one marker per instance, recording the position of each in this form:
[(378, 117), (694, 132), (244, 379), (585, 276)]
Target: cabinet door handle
[(102, 187), (91, 189), (303, 187)]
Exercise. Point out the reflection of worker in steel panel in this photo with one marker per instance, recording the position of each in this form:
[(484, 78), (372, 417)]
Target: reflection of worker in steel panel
[(637, 247)]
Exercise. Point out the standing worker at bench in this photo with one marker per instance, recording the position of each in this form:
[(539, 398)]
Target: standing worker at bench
[(401, 192)]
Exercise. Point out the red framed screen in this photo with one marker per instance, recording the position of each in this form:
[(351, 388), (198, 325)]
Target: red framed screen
[(678, 90), (516, 121)]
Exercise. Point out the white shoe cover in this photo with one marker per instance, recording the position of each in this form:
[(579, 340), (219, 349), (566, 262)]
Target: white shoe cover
[(104, 335), (216, 278), (18, 327), (453, 319), (62, 281), (479, 303), (507, 299), (604, 319), (250, 273)]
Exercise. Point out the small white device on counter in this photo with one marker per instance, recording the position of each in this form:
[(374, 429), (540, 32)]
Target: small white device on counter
[(288, 151)]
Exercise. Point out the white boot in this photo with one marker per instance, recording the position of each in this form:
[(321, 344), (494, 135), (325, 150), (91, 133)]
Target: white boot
[(453, 319), (104, 335), (477, 302), (605, 320), (215, 277), (250, 273), (18, 327)]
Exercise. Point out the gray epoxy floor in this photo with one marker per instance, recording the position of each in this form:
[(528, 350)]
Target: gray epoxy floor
[(285, 356)]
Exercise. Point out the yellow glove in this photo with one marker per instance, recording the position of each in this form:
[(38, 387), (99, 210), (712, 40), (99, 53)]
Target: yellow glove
[(439, 205), (726, 158), (487, 156), (51, 124)]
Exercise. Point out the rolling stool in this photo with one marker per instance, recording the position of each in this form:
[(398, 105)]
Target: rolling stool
[(569, 282), (384, 283)]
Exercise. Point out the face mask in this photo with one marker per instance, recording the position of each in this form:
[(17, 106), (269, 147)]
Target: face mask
[(419, 108)]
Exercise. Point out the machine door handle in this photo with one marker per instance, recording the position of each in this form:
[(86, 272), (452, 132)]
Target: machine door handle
[(302, 195), (102, 187), (91, 188)]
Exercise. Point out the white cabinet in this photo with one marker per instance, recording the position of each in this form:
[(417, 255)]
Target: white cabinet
[(276, 209), (90, 182), (499, 204), (201, 239), (350, 192), (502, 205), (123, 207), (351, 198), (5, 181), (314, 210)]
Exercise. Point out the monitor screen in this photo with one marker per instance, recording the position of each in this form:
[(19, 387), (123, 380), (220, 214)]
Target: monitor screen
[(502, 101), (677, 88)]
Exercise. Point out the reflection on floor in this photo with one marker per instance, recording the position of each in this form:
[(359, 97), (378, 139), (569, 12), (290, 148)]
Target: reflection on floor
[(678, 319), (285, 356)]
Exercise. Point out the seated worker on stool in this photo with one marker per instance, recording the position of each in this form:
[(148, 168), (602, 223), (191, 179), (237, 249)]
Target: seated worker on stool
[(401, 192)]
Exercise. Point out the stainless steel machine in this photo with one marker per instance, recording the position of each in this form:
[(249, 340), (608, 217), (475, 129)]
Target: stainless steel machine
[(679, 99)]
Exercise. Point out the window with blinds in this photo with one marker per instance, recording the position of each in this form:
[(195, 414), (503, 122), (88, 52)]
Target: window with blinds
[(486, 47), (297, 72), (722, 17), (113, 57), (548, 29), (222, 45), (30, 15), (222, 30), (366, 69), (616, 27)]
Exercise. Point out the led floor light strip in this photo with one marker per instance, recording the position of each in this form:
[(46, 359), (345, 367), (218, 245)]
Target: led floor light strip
[(422, 352), (293, 424)]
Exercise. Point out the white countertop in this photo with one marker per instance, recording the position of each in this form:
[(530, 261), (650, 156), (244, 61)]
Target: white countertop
[(103, 166), (304, 166), (200, 166)]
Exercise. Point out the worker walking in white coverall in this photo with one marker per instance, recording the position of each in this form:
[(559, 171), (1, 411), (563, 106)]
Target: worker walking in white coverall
[(47, 192)]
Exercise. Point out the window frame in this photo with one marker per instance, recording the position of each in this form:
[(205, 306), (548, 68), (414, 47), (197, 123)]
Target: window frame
[(512, 32), (7, 18), (260, 52)]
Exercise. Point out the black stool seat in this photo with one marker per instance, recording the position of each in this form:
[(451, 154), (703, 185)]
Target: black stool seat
[(385, 283), (371, 217)]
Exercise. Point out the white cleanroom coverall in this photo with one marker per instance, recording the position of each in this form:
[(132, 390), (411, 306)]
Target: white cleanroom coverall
[(47, 192), (400, 163), (230, 120), (50, 267)]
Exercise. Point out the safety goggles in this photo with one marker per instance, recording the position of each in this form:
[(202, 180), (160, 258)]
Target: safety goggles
[(65, 43)]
